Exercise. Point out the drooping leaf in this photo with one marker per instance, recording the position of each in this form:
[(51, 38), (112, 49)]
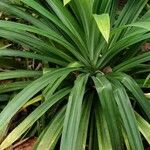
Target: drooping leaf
[(127, 116), (132, 62), (133, 87), (17, 53), (20, 99), (34, 116), (106, 97), (73, 114)]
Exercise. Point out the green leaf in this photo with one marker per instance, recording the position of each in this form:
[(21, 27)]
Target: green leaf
[(104, 141), (4, 132), (66, 2), (51, 34), (130, 9), (24, 54), (127, 116), (50, 89), (19, 74), (83, 10), (126, 140), (20, 99), (22, 14), (92, 141), (36, 44), (146, 80), (32, 118), (73, 114), (69, 21), (120, 45), (136, 91), (132, 62), (84, 123), (14, 86), (52, 133), (144, 25), (143, 126), (109, 108), (103, 22)]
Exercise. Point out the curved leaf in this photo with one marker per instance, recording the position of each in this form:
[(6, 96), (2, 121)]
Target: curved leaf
[(133, 62), (24, 54), (34, 116), (127, 116), (133, 87), (20, 99)]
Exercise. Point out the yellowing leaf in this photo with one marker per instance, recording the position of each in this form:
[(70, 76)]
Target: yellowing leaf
[(103, 22), (66, 2)]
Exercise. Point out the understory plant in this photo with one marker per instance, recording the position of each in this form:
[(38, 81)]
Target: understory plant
[(86, 95)]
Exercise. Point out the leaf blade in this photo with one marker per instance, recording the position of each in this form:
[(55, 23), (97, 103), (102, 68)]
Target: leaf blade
[(49, 138), (103, 22), (34, 116), (128, 117), (73, 114), (27, 93), (105, 93)]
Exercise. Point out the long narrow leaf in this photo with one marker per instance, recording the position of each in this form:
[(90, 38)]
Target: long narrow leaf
[(104, 141), (50, 137), (16, 53), (19, 74), (34, 116), (133, 87), (84, 123), (133, 62), (9, 87), (104, 90), (28, 92), (73, 114), (128, 117)]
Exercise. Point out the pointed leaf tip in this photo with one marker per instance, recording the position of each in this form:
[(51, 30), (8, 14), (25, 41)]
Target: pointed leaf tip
[(66, 2), (103, 23)]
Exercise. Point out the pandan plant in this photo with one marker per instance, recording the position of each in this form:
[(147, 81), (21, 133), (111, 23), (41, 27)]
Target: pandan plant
[(86, 93)]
